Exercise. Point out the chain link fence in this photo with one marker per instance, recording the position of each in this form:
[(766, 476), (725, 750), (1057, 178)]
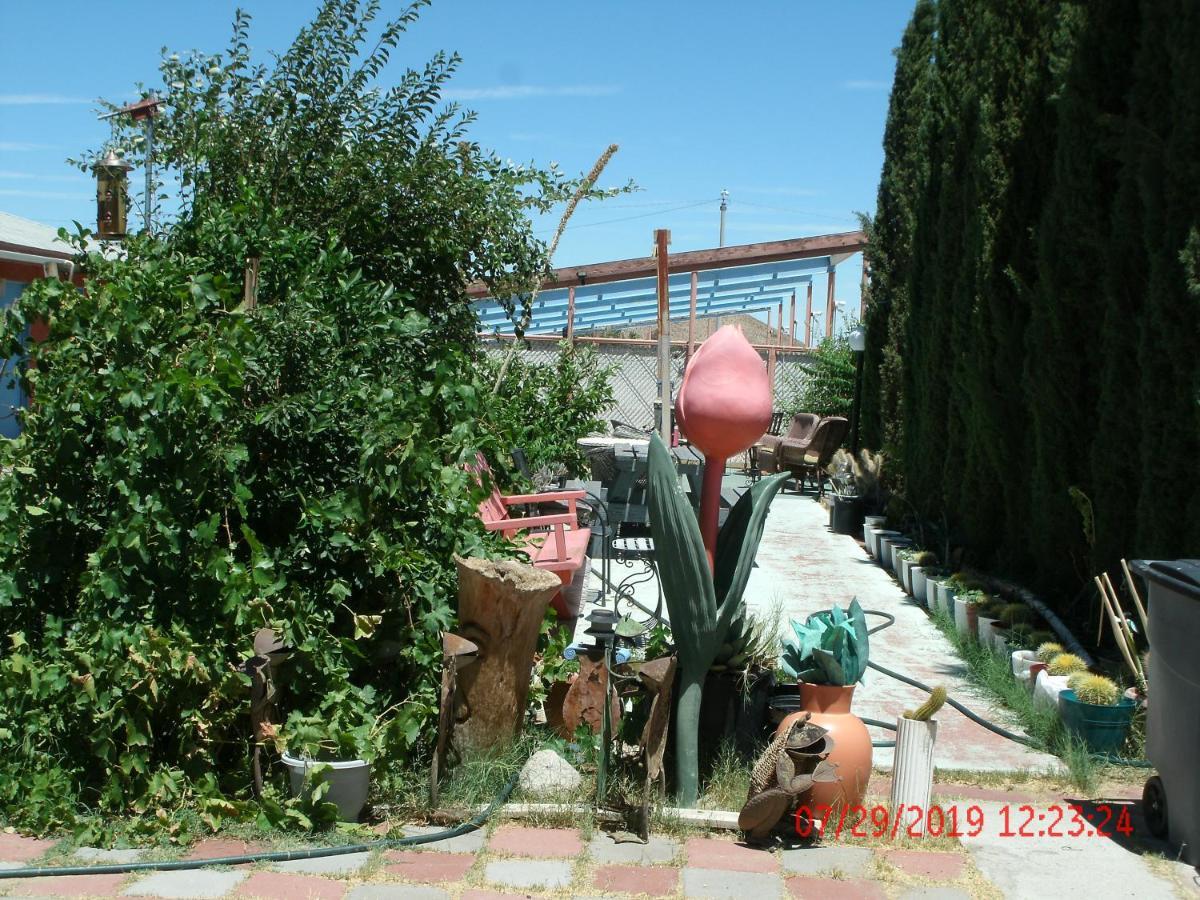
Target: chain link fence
[(635, 375)]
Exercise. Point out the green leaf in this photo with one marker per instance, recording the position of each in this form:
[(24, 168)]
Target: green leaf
[(36, 511)]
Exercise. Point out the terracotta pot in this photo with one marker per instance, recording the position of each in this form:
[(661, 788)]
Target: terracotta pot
[(830, 708)]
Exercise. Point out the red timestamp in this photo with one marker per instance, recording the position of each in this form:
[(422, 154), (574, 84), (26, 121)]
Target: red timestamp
[(1070, 820)]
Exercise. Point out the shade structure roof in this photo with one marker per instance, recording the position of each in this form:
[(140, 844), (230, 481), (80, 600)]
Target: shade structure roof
[(728, 280)]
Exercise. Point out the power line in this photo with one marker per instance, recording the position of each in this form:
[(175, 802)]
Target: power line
[(657, 212)]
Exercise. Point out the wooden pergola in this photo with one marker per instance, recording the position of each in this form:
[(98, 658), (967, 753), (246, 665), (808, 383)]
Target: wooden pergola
[(720, 281)]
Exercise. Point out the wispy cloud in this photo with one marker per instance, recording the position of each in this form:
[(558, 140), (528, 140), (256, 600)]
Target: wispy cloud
[(23, 147), (44, 195), (41, 100), (526, 91), (30, 176), (866, 84)]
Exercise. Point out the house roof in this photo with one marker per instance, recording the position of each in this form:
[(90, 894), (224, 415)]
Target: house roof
[(20, 235)]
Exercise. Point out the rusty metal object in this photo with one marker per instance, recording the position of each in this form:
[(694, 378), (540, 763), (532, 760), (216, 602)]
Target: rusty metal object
[(457, 652), (794, 761), (586, 690), (658, 677), (269, 651)]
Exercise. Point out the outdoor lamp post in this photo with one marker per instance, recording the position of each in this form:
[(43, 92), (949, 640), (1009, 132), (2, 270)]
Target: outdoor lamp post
[(112, 176), (858, 343)]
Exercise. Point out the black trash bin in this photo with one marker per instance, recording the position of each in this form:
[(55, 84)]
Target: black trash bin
[(1171, 800)]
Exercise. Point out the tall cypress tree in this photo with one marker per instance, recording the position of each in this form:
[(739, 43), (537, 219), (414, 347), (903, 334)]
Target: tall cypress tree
[(904, 176), (1063, 348)]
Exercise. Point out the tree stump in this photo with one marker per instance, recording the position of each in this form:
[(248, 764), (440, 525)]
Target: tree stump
[(501, 604)]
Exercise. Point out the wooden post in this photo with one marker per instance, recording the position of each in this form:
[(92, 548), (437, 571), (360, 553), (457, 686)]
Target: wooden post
[(862, 291), (792, 326), (501, 604), (771, 373), (662, 239), (808, 318), (830, 309), (571, 314), (691, 343)]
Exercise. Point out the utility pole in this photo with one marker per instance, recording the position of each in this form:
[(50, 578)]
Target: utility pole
[(724, 206)]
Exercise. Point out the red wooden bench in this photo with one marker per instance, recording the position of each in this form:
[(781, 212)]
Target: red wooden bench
[(552, 542)]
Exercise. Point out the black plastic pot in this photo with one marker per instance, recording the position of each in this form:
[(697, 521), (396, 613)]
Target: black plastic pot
[(846, 515)]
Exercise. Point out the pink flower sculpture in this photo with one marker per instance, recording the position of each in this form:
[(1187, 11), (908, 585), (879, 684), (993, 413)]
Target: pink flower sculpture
[(723, 407)]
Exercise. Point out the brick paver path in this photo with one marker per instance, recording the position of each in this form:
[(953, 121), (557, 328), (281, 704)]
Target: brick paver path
[(520, 861)]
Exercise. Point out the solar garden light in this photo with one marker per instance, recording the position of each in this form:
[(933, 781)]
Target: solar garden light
[(858, 343)]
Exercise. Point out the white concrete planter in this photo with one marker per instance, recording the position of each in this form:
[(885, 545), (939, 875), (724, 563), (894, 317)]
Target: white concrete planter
[(868, 543), (894, 557), (983, 630), (1047, 688), (999, 638), (349, 781), (964, 620), (875, 521), (920, 584), (906, 567), (938, 595), (877, 537), (912, 772), (1022, 662)]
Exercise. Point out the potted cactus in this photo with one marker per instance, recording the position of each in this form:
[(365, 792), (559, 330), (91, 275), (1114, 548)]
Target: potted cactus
[(987, 615), (1093, 708), (966, 609), (828, 656), (912, 769), (1052, 681), (906, 557)]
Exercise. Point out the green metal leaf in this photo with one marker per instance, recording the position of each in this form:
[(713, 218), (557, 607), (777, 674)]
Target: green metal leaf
[(738, 540), (682, 563)]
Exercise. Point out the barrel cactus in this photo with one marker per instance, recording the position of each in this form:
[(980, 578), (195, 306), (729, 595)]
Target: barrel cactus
[(1094, 689), (702, 602), (1066, 664), (1047, 651)]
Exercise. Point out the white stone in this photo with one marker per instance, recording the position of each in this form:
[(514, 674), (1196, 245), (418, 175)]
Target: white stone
[(546, 774)]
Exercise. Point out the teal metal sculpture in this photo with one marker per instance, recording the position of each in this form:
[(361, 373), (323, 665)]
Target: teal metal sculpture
[(831, 647)]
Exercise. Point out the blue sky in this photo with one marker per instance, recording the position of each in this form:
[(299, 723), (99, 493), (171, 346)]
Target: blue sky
[(780, 103)]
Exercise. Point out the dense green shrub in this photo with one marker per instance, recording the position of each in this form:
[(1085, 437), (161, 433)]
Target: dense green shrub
[(544, 408), (826, 385), (201, 462)]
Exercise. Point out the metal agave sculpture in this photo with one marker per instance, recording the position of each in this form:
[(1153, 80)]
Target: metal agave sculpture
[(702, 602), (831, 647)]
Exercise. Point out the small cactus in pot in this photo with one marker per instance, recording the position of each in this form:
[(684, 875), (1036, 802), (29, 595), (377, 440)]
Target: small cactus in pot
[(1094, 689)]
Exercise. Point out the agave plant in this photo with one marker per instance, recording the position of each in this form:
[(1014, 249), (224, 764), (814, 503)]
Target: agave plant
[(701, 602), (831, 647)]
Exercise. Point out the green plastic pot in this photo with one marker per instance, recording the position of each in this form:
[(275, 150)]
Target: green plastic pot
[(1103, 728)]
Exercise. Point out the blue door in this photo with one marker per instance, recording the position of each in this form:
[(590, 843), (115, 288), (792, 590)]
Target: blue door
[(11, 395)]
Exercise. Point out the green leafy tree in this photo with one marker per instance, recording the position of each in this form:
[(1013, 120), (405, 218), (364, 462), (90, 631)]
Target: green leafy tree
[(826, 385), (211, 453)]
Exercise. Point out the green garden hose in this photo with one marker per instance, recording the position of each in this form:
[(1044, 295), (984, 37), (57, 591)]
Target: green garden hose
[(271, 856)]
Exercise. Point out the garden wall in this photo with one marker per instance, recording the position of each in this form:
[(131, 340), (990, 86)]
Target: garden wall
[(1033, 358)]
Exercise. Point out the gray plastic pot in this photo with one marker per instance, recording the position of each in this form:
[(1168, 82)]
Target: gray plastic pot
[(349, 782)]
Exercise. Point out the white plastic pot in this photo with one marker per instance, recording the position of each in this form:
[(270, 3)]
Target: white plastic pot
[(349, 782), (912, 772), (886, 542), (875, 521), (906, 566), (894, 559), (1047, 688), (999, 638), (877, 536)]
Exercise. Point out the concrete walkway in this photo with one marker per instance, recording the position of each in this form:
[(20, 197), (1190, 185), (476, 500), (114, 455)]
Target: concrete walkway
[(802, 567)]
